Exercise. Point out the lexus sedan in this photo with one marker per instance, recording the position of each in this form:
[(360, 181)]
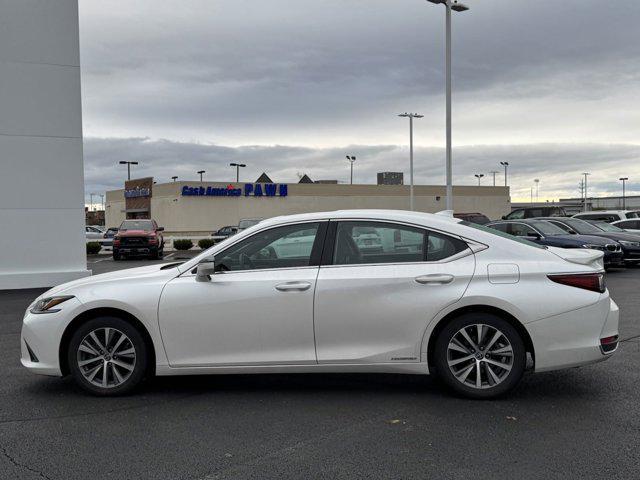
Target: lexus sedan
[(468, 303)]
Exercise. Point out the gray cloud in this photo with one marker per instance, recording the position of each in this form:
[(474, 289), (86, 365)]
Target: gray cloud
[(541, 82)]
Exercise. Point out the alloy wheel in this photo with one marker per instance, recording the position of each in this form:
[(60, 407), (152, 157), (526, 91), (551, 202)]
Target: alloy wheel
[(480, 356), (106, 357)]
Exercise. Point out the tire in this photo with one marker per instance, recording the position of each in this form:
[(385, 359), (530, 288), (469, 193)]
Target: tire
[(506, 348), (116, 256), (125, 365)]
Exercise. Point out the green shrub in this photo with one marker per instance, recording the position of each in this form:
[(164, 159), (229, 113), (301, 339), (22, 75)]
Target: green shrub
[(182, 244), (93, 248), (206, 243)]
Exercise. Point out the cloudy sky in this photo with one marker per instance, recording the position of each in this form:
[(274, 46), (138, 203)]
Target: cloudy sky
[(292, 86)]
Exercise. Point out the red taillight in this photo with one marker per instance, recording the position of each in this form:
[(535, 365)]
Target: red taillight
[(116, 241), (588, 281)]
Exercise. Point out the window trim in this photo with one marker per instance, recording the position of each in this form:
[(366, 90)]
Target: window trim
[(329, 247)]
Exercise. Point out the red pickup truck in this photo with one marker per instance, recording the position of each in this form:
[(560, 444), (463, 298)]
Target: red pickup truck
[(138, 238)]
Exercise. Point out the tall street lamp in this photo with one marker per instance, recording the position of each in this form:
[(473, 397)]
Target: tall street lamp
[(351, 158), (128, 164), (537, 181), (238, 167), (411, 116), (506, 166), (456, 7), (494, 172), (624, 184), (479, 176), (201, 172), (586, 174)]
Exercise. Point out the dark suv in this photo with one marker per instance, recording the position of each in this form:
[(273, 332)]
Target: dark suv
[(138, 238), (535, 212)]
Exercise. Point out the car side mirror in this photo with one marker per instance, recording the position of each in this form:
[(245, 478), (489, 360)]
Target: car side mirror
[(160, 229), (535, 236), (204, 271), (504, 217)]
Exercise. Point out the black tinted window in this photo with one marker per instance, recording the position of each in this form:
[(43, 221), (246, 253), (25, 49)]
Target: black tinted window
[(282, 247), (378, 242)]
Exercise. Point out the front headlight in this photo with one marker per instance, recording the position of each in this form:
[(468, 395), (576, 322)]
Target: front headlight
[(593, 247), (46, 305), (625, 243)]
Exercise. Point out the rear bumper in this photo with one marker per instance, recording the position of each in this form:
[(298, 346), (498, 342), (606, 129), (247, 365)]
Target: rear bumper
[(573, 338)]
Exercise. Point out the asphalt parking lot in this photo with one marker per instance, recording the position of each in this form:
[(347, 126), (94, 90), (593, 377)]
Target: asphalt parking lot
[(580, 423)]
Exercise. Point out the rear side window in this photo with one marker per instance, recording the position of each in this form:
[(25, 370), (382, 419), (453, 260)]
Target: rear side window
[(633, 224), (378, 242), (632, 215), (516, 215)]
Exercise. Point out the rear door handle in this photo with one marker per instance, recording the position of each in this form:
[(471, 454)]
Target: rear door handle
[(435, 279), (293, 286)]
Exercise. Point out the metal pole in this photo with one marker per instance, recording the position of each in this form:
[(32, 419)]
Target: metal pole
[(351, 181), (90, 201), (505, 175), (448, 81), (411, 199), (624, 202), (237, 173), (128, 171)]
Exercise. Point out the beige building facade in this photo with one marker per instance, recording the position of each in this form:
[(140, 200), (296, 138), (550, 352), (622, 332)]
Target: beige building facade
[(195, 208)]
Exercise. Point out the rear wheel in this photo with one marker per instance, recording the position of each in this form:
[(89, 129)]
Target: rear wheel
[(480, 355), (116, 256), (107, 356)]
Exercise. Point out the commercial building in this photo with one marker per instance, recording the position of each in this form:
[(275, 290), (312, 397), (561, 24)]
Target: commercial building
[(390, 178), (198, 208), (42, 184)]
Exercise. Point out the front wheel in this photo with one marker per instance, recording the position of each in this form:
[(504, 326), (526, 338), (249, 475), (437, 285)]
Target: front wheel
[(107, 356), (480, 355)]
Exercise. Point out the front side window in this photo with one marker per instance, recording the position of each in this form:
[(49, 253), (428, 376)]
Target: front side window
[(281, 247), (516, 215), (377, 242), (522, 230)]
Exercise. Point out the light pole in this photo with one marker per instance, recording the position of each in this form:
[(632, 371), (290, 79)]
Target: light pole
[(411, 116), (201, 172), (479, 176), (624, 184), (128, 164), (537, 180), (457, 7), (174, 178), (506, 166), (102, 200), (238, 167), (586, 174), (351, 158), (494, 172), (91, 201)]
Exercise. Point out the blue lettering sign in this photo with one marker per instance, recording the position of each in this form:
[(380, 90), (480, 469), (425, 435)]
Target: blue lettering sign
[(249, 190)]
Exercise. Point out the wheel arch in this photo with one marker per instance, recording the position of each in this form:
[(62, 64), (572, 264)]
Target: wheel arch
[(498, 312), (105, 312)]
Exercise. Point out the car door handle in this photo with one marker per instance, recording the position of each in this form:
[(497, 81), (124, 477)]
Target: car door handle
[(293, 286), (435, 279)]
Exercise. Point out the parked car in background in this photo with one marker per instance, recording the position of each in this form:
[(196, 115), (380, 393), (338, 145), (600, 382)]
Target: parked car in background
[(138, 238), (473, 309), (546, 233), (605, 215), (108, 236), (632, 226), (245, 223), (224, 233), (478, 218), (93, 234), (629, 242), (533, 212)]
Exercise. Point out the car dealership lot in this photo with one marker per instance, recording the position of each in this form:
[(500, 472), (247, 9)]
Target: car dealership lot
[(576, 423)]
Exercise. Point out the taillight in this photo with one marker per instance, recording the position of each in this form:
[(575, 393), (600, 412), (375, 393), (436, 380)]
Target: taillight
[(588, 281), (116, 241)]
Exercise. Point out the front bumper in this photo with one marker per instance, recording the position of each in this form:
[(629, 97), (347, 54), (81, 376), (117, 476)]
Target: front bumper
[(573, 338), (43, 333), (613, 258)]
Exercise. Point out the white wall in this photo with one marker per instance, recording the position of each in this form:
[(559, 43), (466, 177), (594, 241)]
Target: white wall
[(41, 170)]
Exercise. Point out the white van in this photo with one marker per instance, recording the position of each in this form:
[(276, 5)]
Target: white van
[(608, 215)]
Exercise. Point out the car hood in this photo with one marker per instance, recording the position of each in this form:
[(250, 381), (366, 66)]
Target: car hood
[(134, 233), (118, 275), (582, 239)]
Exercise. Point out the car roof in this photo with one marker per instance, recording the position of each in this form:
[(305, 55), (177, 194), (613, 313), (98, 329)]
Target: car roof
[(596, 212)]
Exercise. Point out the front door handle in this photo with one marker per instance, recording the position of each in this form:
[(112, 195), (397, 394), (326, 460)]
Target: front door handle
[(435, 279), (293, 286)]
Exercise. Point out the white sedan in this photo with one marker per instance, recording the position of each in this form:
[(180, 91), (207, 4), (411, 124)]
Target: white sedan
[(471, 304)]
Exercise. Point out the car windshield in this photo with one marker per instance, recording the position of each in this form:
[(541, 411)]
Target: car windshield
[(580, 226), (607, 227), (501, 234), (547, 229), (137, 225)]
